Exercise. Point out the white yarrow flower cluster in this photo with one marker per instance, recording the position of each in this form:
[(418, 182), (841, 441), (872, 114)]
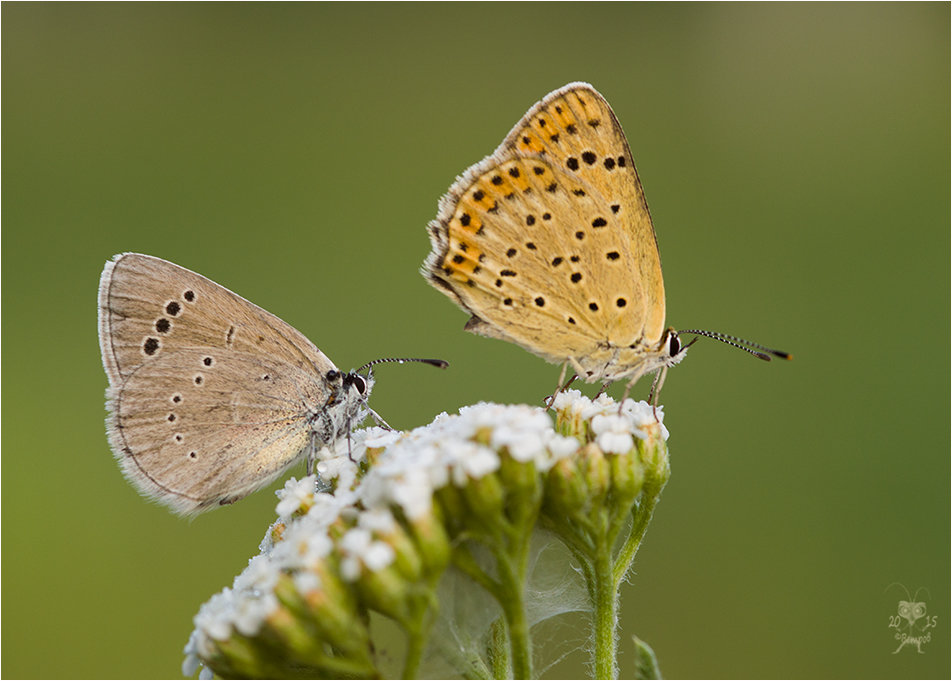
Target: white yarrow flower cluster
[(638, 416), (372, 503), (429, 457)]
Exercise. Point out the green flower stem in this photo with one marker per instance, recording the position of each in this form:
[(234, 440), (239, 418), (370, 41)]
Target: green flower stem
[(509, 593), (641, 516), (472, 666), (417, 628), (464, 561), (511, 555), (499, 652), (513, 579), (605, 616), (628, 516), (609, 575), (519, 533)]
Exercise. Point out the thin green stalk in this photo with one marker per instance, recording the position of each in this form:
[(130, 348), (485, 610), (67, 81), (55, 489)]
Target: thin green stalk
[(415, 647), (512, 561), (463, 559), (513, 604), (509, 593), (498, 650), (641, 516), (416, 643), (605, 616)]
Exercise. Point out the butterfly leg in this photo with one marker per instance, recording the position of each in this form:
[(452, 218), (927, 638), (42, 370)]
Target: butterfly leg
[(379, 420), (655, 393), (551, 398), (628, 386), (311, 454), (323, 432), (350, 448)]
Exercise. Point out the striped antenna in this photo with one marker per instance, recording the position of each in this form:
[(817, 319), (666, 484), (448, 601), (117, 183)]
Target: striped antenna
[(756, 349), (440, 363)]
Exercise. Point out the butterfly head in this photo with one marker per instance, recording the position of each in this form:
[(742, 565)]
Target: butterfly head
[(672, 349), (351, 386), (346, 404), (613, 362), (358, 383)]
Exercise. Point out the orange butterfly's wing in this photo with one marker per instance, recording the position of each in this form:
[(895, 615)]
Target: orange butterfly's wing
[(548, 243)]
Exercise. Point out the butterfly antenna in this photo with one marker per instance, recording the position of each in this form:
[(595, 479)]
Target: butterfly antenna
[(441, 363), (756, 349)]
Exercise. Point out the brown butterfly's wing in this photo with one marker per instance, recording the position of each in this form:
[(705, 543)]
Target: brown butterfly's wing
[(209, 393), (196, 436), (548, 242)]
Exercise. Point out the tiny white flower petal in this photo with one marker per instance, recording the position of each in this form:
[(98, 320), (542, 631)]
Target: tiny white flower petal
[(215, 616), (598, 407), (614, 433), (191, 663), (523, 443), (415, 500), (306, 582), (253, 611), (341, 469), (479, 461), (378, 555), (645, 415), (402, 476), (571, 399), (260, 575), (295, 493), (349, 568), (381, 437), (562, 446), (355, 541), (305, 543), (602, 423), (470, 460), (641, 413), (359, 548), (377, 520), (438, 476), (326, 508), (615, 443)]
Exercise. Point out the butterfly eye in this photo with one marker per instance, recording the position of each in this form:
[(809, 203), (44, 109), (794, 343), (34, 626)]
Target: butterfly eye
[(674, 345), (360, 384), (332, 376)]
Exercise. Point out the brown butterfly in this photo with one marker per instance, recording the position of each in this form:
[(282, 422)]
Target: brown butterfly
[(210, 396)]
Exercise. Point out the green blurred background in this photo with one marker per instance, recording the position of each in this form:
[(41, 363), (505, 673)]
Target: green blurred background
[(796, 159)]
